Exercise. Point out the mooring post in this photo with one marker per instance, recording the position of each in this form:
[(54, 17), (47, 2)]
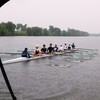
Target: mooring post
[(7, 81)]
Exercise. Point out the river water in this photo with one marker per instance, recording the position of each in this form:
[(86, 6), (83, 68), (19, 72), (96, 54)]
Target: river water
[(53, 78)]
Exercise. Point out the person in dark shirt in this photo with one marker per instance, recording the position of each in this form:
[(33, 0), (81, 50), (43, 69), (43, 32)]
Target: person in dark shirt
[(44, 49), (25, 53), (50, 48), (55, 48), (69, 47), (73, 46)]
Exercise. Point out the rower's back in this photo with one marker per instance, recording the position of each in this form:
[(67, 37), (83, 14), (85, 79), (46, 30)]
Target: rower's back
[(25, 53)]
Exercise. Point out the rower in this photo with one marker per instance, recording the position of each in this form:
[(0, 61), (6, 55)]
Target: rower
[(44, 49), (65, 46), (50, 48), (37, 52), (69, 47), (25, 53), (55, 48), (61, 49), (73, 46)]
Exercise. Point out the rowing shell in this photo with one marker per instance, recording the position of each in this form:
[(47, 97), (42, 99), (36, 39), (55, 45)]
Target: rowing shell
[(21, 59)]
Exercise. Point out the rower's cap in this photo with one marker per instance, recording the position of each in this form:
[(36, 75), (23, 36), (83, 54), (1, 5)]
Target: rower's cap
[(26, 48), (50, 43), (44, 45), (36, 46)]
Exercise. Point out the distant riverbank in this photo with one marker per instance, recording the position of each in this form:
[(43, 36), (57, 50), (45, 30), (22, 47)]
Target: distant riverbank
[(11, 29)]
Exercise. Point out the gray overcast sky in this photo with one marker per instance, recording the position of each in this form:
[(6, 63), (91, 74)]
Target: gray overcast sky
[(83, 15)]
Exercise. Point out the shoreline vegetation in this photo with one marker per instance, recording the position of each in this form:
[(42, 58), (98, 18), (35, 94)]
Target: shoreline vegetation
[(11, 29)]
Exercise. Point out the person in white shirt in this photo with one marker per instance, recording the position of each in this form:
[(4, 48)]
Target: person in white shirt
[(55, 48), (65, 46), (61, 48)]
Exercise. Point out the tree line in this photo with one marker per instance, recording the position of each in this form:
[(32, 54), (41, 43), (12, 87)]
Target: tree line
[(11, 29)]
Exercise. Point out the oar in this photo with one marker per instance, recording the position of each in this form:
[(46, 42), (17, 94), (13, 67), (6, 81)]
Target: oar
[(11, 53), (31, 50), (84, 49), (18, 52)]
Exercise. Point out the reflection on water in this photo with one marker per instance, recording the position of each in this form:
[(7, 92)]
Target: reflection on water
[(53, 78)]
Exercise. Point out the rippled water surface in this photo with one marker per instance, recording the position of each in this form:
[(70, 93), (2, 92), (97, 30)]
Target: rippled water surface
[(52, 78)]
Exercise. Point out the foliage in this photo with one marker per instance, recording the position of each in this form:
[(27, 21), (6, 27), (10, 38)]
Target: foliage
[(10, 29), (7, 29), (73, 32)]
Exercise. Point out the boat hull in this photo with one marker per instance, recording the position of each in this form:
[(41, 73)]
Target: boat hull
[(21, 59)]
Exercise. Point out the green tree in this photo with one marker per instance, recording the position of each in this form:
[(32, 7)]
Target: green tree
[(36, 31), (64, 33), (73, 32), (45, 32), (19, 27), (3, 29), (29, 31), (23, 28), (51, 30), (57, 31), (10, 27)]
